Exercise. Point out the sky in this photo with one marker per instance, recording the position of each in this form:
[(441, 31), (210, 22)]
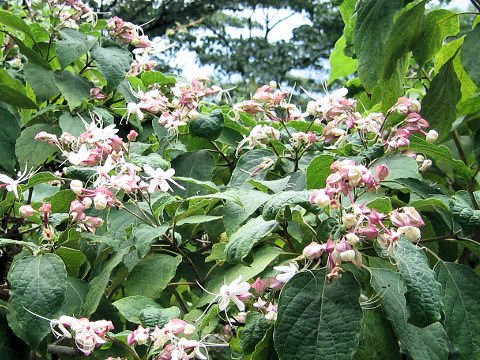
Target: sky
[(187, 60)]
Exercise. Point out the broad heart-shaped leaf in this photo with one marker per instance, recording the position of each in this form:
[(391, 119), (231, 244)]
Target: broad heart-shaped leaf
[(9, 132), (151, 275), (248, 163), (460, 286), (33, 152), (207, 126), (318, 171), (156, 77), (407, 29), (10, 20), (41, 80), (74, 88), (377, 339), (429, 343), (373, 26), (470, 51), (144, 236), (265, 349), (61, 201), (461, 208), (317, 320), (153, 316), (39, 284), (113, 62), (197, 165), (341, 64), (400, 166), (13, 92), (100, 282), (423, 291), (131, 306), (74, 297), (244, 239), (442, 156), (73, 46), (287, 198), (226, 274), (440, 24), (439, 104), (255, 329)]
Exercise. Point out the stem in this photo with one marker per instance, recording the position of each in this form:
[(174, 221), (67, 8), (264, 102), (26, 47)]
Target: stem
[(210, 271), (221, 153), (287, 237), (137, 216), (180, 301), (185, 256)]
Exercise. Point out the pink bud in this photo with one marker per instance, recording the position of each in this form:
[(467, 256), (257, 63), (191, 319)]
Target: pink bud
[(26, 211), (275, 284), (245, 297), (46, 208), (259, 285), (132, 135), (313, 251), (382, 171)]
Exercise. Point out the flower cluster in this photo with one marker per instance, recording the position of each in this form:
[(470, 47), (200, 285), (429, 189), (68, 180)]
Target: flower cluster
[(71, 11)]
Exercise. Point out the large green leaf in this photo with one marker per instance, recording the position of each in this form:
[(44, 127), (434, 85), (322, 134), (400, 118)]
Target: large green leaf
[(423, 291), (406, 31), (372, 29), (74, 88), (41, 80), (9, 132), (113, 62), (248, 163), (255, 329), (197, 165), (131, 306), (151, 275), (99, 283), (462, 210), (377, 339), (400, 166), (153, 316), (244, 239), (11, 347), (427, 343), (13, 92), (278, 202), (61, 201), (73, 46), (32, 55), (439, 104), (440, 24), (318, 171), (341, 64), (74, 297), (470, 51), (226, 274), (460, 286), (207, 126), (265, 349), (33, 152), (38, 286), (144, 235), (317, 320), (10, 20)]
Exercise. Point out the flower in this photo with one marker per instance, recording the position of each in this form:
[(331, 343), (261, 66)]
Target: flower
[(12, 185), (287, 271), (26, 211), (231, 292), (160, 178)]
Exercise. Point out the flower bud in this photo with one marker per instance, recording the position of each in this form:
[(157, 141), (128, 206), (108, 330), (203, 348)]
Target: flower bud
[(189, 330), (432, 136), (352, 238), (313, 251), (46, 208), (76, 186), (132, 135), (259, 285), (349, 220), (425, 165), (354, 175), (312, 107), (419, 159), (100, 202), (87, 202), (320, 198), (26, 211), (348, 255), (273, 84), (382, 171), (271, 317), (193, 114), (412, 233)]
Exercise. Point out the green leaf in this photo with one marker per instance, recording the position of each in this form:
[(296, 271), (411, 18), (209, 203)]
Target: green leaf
[(377, 340), (400, 166), (131, 306), (318, 171), (153, 316), (427, 343), (34, 152), (255, 329), (141, 282), (71, 124), (265, 349), (460, 286), (31, 54), (38, 285), (74, 88), (470, 50), (442, 157), (249, 162), (10, 20), (156, 77), (272, 185), (73, 259), (41, 80), (372, 29), (74, 297), (461, 208), (61, 201), (207, 126), (287, 198), (117, 221), (145, 235), (341, 64), (439, 104), (317, 320), (197, 165), (11, 347), (440, 24), (99, 283), (382, 204), (226, 274), (244, 239), (113, 62), (13, 92), (9, 132), (197, 219), (73, 46), (406, 32), (154, 160), (423, 291)]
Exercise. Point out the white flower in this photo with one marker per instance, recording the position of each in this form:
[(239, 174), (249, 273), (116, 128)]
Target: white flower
[(287, 271), (76, 186), (159, 178), (103, 170), (12, 185), (231, 291), (78, 157)]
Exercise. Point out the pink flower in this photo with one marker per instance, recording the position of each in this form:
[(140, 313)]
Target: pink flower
[(259, 285), (139, 336), (26, 211), (313, 251), (382, 171), (132, 135), (46, 208)]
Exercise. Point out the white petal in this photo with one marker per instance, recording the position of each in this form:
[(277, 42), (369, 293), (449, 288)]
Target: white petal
[(224, 301), (238, 302)]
